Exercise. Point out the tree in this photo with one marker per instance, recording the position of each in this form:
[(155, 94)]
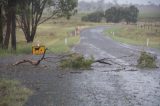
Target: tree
[(30, 13), (113, 15), (2, 3), (117, 14), (1, 27), (11, 24), (131, 14)]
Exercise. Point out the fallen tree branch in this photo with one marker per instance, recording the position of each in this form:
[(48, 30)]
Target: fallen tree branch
[(102, 61), (33, 62), (63, 57)]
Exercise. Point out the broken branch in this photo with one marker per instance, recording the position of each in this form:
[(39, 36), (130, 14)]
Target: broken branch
[(33, 62)]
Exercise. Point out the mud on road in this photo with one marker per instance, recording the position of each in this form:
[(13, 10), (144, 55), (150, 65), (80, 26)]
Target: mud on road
[(102, 86)]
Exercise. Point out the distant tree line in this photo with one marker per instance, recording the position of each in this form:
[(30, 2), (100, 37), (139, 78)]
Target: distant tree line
[(114, 14), (94, 17)]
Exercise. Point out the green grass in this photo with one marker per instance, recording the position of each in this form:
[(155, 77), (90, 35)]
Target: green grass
[(131, 34), (51, 34), (12, 93)]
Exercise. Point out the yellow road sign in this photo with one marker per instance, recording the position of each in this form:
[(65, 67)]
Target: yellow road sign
[(38, 50)]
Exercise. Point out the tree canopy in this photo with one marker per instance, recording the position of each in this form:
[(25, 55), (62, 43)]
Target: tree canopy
[(117, 14)]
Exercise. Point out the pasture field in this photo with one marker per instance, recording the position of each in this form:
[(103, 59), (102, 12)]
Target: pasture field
[(136, 34), (52, 34)]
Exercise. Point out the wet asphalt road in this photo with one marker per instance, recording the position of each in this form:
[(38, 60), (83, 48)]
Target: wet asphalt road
[(118, 84), (106, 85)]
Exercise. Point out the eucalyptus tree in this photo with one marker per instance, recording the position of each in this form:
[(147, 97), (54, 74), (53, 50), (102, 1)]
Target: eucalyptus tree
[(30, 13), (2, 3), (10, 11)]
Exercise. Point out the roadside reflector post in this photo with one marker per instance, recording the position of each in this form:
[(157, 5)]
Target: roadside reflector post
[(113, 34), (147, 42), (66, 41)]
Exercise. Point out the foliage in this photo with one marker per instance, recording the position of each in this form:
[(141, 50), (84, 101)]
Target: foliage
[(131, 14), (76, 61), (93, 17), (117, 14), (147, 60), (12, 93), (113, 14)]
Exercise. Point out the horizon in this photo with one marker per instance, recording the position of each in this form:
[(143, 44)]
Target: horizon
[(142, 2)]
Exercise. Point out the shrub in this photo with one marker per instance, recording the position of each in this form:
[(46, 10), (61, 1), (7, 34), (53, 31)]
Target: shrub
[(76, 61), (147, 60)]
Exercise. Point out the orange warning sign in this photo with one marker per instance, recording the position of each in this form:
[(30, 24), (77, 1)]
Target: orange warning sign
[(38, 50)]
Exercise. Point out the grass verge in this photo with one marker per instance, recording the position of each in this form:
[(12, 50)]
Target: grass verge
[(52, 34), (12, 93)]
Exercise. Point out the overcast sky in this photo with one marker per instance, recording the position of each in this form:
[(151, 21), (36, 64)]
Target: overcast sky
[(157, 2)]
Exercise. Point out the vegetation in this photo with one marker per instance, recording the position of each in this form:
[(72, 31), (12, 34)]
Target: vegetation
[(136, 34), (12, 93), (52, 34), (117, 14), (93, 17), (35, 8), (114, 14), (146, 60), (49, 32), (76, 61), (29, 13)]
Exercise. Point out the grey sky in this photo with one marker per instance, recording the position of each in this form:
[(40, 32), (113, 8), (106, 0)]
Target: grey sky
[(130, 1)]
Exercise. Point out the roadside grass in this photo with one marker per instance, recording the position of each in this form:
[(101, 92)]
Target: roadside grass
[(131, 34), (52, 34), (12, 93)]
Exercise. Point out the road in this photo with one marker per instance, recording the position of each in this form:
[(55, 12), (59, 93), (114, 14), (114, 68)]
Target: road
[(119, 84), (126, 87)]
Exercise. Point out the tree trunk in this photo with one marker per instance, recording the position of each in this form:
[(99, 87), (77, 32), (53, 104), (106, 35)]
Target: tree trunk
[(33, 33), (11, 25), (1, 28), (8, 31), (13, 33)]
